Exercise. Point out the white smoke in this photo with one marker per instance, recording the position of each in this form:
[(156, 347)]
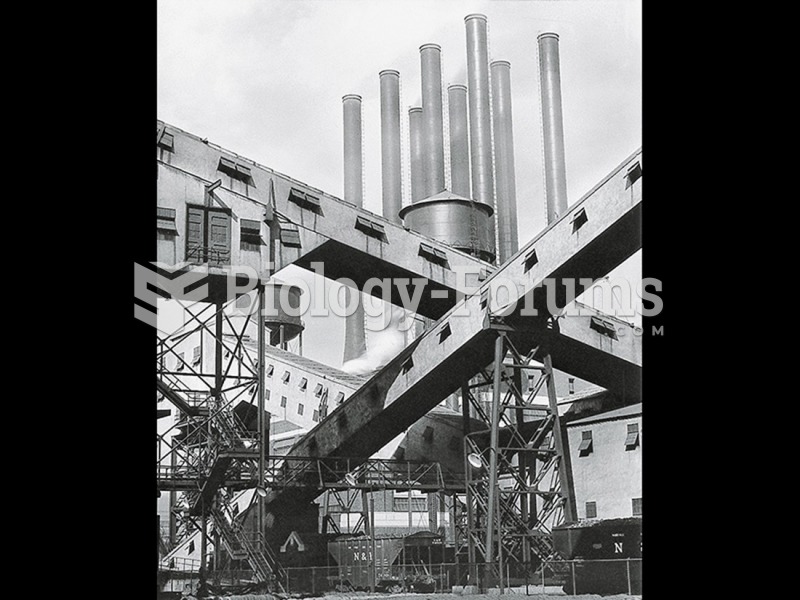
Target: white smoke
[(382, 345)]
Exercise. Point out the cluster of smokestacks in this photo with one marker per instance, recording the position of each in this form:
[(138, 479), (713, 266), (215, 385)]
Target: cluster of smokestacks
[(481, 144)]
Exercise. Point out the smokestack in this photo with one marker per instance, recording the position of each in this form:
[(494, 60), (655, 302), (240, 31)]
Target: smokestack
[(459, 140), (479, 112), (353, 175), (415, 139), (390, 144), (354, 337), (432, 123), (507, 242), (555, 172)]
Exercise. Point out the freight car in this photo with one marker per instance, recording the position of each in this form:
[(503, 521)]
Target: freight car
[(353, 555), (606, 553)]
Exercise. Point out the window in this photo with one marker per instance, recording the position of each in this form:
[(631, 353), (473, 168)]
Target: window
[(632, 440), (191, 547), (266, 395), (165, 220), (250, 235), (290, 235), (339, 398), (270, 370), (283, 401), (208, 235), (636, 507), (407, 365), (286, 377), (591, 510), (196, 356), (434, 255), (300, 409), (235, 170), (303, 384), (579, 219), (416, 503), (604, 327), (315, 416), (305, 200), (586, 443), (444, 332), (166, 141), (530, 260), (427, 435), (633, 173), (371, 228), (318, 390), (180, 366)]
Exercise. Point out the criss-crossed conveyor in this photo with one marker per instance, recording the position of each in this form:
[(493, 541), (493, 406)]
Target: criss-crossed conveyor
[(597, 234)]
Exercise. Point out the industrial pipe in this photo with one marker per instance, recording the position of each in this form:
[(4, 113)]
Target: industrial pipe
[(432, 121), (459, 140), (506, 190), (390, 144), (555, 172)]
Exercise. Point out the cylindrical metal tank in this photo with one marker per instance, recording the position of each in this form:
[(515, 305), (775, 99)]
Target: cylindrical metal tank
[(390, 144), (505, 184), (454, 220), (283, 311), (555, 172), (432, 121), (459, 140), (415, 143)]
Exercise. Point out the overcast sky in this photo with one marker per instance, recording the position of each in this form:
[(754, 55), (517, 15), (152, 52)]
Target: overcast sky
[(265, 79)]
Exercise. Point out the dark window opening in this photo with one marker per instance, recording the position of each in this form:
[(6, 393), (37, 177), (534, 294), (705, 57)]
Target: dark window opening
[(530, 260), (300, 409), (579, 219), (633, 173), (305, 200), (371, 228), (636, 507), (303, 384), (604, 327), (283, 401), (165, 220), (444, 332), (236, 170), (166, 141), (586, 443), (290, 235), (632, 439), (250, 235), (286, 377), (434, 255)]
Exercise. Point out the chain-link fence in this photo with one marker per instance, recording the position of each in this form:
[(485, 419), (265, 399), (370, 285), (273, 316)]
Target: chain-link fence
[(617, 576)]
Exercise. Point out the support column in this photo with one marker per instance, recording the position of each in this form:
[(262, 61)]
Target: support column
[(499, 352), (262, 433), (564, 463)]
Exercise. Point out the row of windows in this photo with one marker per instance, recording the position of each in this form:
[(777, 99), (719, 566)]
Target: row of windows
[(181, 364), (631, 440), (636, 508)]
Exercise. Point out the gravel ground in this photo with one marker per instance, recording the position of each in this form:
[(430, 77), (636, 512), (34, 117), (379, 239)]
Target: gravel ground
[(534, 592)]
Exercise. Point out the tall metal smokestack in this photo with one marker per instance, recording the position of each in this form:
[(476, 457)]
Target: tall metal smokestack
[(507, 241), (459, 140), (415, 139), (354, 336), (555, 172), (432, 123), (390, 144), (479, 112), (353, 173)]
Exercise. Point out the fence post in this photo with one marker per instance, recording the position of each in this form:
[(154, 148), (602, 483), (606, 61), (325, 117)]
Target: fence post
[(574, 587), (628, 567)]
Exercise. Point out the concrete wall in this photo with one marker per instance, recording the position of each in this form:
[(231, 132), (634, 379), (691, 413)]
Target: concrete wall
[(610, 475)]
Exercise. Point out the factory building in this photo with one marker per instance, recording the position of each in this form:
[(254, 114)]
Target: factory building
[(464, 438)]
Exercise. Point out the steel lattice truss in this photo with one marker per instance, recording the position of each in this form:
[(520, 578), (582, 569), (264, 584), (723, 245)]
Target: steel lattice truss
[(529, 497)]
